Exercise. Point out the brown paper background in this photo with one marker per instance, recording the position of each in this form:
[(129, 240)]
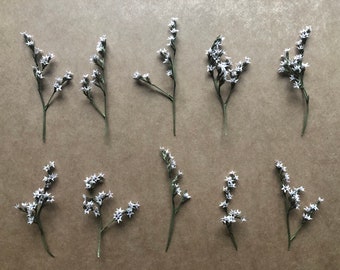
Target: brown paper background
[(264, 124)]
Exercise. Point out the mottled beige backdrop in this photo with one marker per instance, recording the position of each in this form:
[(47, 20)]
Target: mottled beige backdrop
[(264, 124)]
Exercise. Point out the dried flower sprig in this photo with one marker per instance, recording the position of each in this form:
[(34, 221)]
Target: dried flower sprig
[(291, 196), (222, 71), (93, 203), (295, 69), (232, 215), (174, 176), (98, 79), (168, 59), (41, 199), (41, 62)]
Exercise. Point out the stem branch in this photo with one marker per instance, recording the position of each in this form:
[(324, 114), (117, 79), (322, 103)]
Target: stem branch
[(172, 223), (43, 239), (232, 236), (100, 230), (306, 112)]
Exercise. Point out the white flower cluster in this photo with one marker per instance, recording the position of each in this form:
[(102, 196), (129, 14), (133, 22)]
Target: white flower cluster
[(93, 204), (50, 166), (223, 67), (232, 215), (93, 180), (310, 210), (145, 77), (97, 78), (28, 40), (59, 82), (173, 33), (129, 211), (175, 175), (30, 209), (97, 74), (85, 85), (295, 68), (38, 73), (41, 196), (169, 159), (41, 62), (292, 194), (46, 59), (164, 54), (101, 46)]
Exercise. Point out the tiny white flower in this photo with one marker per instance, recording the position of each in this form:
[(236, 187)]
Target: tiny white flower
[(186, 196), (224, 204), (306, 216), (118, 215), (320, 199), (285, 189), (136, 75), (313, 207), (296, 84)]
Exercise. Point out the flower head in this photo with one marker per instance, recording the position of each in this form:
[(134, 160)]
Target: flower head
[(46, 59), (28, 40), (68, 76), (101, 46), (93, 180), (118, 215)]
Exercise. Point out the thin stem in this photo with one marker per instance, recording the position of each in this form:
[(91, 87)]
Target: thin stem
[(306, 113), (159, 90), (225, 119), (43, 107), (42, 234), (288, 229), (100, 230), (50, 99), (174, 96), (172, 223), (105, 110), (287, 224), (96, 108), (232, 236), (107, 226), (44, 124), (294, 235), (224, 107)]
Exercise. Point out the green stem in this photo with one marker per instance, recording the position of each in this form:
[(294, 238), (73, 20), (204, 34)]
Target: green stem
[(172, 223), (50, 99), (224, 107), (44, 109), (294, 235), (224, 118), (159, 90), (174, 98), (96, 108), (288, 228), (43, 239), (107, 226), (105, 113), (232, 236), (44, 124), (306, 112), (100, 230)]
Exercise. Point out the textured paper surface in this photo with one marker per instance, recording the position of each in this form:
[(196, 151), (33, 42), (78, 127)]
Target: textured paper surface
[(264, 124)]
